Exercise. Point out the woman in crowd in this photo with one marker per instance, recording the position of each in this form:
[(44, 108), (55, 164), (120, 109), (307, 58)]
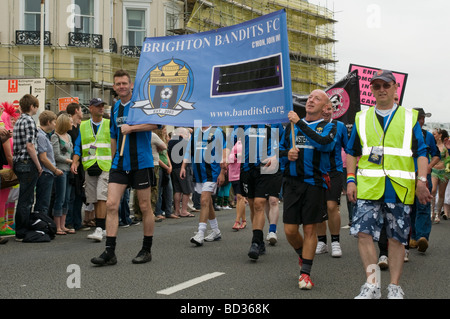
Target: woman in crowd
[(63, 150), (439, 176)]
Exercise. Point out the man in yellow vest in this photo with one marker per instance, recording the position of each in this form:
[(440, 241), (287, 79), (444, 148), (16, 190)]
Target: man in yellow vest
[(93, 147), (388, 138)]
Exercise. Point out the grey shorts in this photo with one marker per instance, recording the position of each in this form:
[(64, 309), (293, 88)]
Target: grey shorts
[(96, 187), (370, 217)]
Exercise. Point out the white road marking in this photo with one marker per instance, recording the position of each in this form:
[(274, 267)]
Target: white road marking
[(189, 283)]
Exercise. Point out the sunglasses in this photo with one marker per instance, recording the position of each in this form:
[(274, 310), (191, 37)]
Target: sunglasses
[(385, 86)]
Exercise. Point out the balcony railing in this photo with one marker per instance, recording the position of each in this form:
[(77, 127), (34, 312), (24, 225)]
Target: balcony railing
[(131, 51), (24, 37), (87, 40)]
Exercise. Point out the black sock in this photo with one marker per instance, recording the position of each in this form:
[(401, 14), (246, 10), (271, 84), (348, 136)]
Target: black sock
[(306, 267), (334, 238), (100, 222), (110, 244), (147, 243), (323, 239), (299, 251), (257, 236)]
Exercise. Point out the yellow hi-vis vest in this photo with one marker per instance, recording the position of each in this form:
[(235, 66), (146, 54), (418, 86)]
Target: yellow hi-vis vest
[(101, 143), (397, 163)]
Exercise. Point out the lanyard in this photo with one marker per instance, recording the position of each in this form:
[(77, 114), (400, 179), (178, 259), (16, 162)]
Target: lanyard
[(98, 130), (385, 124)]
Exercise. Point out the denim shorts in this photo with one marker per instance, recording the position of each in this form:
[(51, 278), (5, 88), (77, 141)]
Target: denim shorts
[(370, 216)]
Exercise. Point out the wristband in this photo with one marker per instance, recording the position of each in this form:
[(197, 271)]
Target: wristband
[(351, 178)]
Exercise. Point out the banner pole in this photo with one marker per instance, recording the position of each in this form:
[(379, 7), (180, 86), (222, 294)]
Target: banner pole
[(292, 135), (123, 145)]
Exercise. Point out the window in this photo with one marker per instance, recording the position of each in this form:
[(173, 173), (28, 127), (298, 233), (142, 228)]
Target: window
[(32, 15), (83, 68), (135, 27), (171, 22), (31, 65), (84, 20)]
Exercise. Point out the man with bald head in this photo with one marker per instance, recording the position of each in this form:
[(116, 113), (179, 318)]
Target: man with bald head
[(306, 179)]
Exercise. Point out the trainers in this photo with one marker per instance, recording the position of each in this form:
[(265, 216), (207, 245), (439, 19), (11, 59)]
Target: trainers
[(383, 262), (422, 244), (336, 250), (272, 238), (304, 282), (321, 248), (369, 291), (198, 239), (6, 231), (406, 258), (254, 251), (97, 235), (226, 207), (105, 259), (214, 236), (395, 292), (142, 257)]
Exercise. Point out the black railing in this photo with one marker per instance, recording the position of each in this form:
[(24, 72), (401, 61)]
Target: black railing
[(131, 51), (24, 37), (87, 40)]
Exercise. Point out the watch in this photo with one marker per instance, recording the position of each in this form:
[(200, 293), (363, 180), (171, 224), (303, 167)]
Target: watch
[(422, 179)]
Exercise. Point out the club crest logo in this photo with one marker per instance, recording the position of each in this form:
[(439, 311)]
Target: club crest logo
[(166, 88), (340, 101)]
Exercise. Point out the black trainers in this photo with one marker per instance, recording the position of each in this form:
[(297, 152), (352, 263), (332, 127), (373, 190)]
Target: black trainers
[(105, 259), (142, 257), (254, 251)]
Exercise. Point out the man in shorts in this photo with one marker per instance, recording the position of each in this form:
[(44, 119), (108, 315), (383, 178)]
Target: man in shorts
[(306, 179), (387, 137), (206, 153), (93, 148), (133, 167), (335, 190), (260, 177)]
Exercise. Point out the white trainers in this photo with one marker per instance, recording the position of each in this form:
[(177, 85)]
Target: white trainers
[(198, 239), (369, 291), (395, 292), (336, 250), (272, 238), (321, 248), (226, 207), (383, 262), (97, 235), (214, 235)]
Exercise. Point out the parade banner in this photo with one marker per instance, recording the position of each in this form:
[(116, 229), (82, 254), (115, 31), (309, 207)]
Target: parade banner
[(344, 96), (233, 75), (365, 74)]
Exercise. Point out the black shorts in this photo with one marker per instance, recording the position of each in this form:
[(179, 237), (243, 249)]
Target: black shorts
[(186, 185), (254, 184), (337, 183), (303, 203), (236, 187), (137, 179)]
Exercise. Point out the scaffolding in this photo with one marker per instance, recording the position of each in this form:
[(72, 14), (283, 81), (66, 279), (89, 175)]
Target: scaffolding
[(310, 33)]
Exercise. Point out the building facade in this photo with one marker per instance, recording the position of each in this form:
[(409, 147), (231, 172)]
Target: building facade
[(86, 41)]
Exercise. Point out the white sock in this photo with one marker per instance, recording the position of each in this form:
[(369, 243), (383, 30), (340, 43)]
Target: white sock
[(202, 227), (214, 224)]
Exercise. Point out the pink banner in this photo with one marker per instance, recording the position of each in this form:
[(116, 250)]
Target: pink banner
[(365, 74)]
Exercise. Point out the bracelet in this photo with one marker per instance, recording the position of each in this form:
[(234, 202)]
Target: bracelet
[(351, 178)]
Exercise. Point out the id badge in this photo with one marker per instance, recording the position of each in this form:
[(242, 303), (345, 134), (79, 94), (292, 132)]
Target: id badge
[(376, 155), (92, 150)]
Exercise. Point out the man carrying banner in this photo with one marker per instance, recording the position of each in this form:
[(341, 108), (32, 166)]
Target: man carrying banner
[(306, 179), (133, 167), (334, 192), (260, 177), (206, 151), (388, 138)]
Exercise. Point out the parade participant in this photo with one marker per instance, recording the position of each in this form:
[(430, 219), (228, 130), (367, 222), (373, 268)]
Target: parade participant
[(133, 167), (388, 137), (260, 176), (420, 214), (335, 191), (206, 152), (306, 178), (93, 148)]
